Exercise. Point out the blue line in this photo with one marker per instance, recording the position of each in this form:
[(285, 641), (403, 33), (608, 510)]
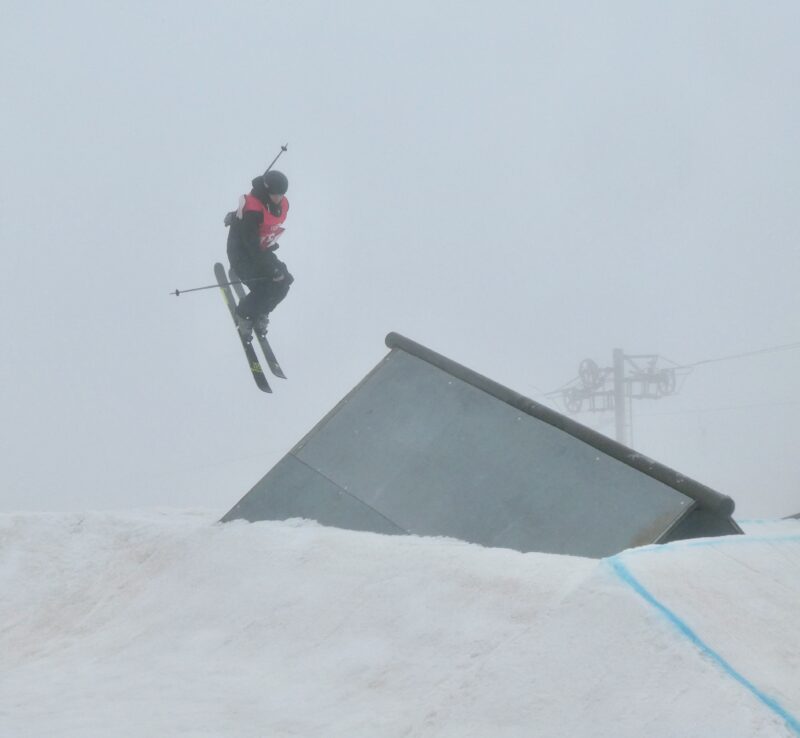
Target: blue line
[(720, 542), (757, 521), (767, 521), (625, 575)]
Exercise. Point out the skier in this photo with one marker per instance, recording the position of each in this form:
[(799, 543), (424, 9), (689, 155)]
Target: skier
[(252, 241)]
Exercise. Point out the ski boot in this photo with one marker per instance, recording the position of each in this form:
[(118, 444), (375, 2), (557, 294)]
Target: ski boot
[(245, 327), (260, 325)]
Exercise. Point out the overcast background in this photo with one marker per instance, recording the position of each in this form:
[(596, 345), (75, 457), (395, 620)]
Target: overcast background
[(516, 185)]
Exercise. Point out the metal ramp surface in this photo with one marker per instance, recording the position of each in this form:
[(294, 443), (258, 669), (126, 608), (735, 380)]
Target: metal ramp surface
[(425, 446)]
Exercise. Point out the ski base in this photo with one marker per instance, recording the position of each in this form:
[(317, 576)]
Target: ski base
[(252, 358), (269, 354)]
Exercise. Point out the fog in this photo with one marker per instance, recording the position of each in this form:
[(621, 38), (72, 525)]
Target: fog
[(518, 187)]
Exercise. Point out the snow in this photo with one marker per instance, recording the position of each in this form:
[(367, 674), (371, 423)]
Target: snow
[(166, 623)]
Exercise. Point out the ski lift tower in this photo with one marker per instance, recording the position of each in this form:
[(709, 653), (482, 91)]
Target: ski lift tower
[(630, 377)]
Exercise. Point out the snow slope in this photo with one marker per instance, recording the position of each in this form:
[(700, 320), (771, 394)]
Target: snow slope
[(167, 624)]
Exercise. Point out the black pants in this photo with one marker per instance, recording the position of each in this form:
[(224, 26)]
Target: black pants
[(265, 294)]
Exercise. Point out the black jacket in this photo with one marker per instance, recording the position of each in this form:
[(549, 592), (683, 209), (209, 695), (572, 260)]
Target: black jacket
[(244, 251)]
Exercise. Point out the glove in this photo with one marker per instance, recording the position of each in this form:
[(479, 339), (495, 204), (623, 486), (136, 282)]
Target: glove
[(230, 217)]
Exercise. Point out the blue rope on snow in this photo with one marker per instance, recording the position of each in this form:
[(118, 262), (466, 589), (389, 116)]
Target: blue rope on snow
[(625, 575)]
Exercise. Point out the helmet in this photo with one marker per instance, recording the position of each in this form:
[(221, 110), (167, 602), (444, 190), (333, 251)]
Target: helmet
[(275, 182)]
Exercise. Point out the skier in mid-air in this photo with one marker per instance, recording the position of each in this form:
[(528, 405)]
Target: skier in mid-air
[(252, 241)]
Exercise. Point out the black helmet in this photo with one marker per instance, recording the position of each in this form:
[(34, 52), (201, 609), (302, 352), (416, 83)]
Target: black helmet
[(275, 182)]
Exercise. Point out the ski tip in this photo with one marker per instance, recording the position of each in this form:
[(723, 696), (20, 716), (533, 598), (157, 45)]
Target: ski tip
[(261, 382)]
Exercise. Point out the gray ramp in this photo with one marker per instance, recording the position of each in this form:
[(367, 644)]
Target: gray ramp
[(292, 489), (425, 446)]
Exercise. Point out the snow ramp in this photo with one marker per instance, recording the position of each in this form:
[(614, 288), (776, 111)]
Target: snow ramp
[(132, 624)]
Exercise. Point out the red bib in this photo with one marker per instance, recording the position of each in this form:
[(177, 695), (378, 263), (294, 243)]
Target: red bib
[(270, 228)]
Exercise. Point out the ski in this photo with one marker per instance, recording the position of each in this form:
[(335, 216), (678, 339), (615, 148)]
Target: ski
[(250, 352), (269, 354)]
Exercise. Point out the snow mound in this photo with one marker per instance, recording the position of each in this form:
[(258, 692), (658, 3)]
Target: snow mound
[(168, 624)]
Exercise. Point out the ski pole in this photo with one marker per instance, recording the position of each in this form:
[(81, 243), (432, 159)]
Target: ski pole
[(283, 148), (178, 293)]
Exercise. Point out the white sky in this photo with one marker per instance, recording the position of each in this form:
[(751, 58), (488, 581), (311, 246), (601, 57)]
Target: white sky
[(517, 186)]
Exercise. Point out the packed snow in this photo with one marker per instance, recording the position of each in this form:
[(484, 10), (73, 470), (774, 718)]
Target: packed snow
[(165, 623)]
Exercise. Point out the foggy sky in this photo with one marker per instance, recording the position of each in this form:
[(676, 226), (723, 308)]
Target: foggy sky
[(517, 187)]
